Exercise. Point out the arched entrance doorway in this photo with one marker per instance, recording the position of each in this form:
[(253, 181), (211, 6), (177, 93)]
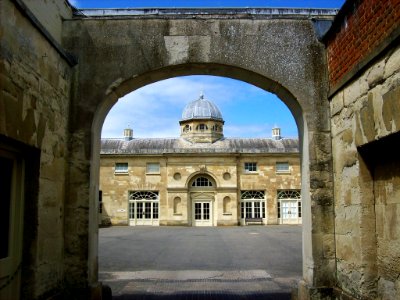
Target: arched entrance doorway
[(202, 197)]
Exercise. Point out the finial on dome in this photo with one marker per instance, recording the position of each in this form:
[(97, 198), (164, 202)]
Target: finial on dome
[(201, 95)]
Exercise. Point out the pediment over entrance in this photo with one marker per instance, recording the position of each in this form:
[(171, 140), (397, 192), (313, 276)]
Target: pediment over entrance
[(202, 196)]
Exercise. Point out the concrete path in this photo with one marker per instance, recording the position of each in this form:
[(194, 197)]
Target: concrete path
[(253, 262)]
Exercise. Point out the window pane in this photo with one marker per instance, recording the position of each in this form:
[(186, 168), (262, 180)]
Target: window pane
[(250, 167), (206, 211), (131, 210), (121, 167), (289, 194), (155, 210), (153, 168), (299, 209), (249, 210), (197, 211), (279, 209), (252, 195), (143, 195), (147, 210), (257, 211), (282, 167), (263, 209), (202, 181), (139, 210)]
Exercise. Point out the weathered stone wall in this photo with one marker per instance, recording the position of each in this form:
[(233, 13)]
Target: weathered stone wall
[(365, 111), (50, 15), (34, 108), (367, 205)]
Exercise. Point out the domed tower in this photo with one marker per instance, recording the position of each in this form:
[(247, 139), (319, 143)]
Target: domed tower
[(202, 122)]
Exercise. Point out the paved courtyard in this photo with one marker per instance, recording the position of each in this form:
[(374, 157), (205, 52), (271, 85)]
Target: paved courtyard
[(253, 262)]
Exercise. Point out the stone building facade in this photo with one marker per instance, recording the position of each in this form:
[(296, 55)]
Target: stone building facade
[(201, 178)]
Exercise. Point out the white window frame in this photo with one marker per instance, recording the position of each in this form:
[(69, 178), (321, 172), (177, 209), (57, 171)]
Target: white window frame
[(150, 170), (252, 196), (250, 165), (118, 168), (280, 164), (152, 197), (202, 182), (289, 195)]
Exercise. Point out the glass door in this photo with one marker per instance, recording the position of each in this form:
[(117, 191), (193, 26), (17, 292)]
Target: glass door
[(202, 214), (143, 213), (289, 211)]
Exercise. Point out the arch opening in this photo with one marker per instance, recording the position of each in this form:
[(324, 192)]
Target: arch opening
[(201, 69)]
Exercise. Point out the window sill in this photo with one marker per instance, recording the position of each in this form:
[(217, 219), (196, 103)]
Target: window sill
[(121, 173), (227, 214), (251, 173), (177, 214), (153, 173), (283, 172)]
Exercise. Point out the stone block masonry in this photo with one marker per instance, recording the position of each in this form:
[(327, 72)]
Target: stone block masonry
[(365, 139), (34, 108)]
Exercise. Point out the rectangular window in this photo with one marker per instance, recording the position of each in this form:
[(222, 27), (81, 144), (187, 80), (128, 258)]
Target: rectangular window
[(153, 168), (250, 167), (121, 167), (282, 167)]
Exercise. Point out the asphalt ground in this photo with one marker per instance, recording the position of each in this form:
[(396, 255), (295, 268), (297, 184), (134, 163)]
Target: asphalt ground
[(250, 262)]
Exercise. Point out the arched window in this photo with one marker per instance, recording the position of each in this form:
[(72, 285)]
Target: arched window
[(289, 194), (202, 181), (202, 127), (187, 128)]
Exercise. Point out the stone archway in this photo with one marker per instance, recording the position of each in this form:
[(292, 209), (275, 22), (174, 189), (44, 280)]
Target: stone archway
[(247, 50)]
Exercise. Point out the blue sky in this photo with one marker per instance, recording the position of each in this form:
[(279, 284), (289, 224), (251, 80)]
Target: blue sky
[(155, 110)]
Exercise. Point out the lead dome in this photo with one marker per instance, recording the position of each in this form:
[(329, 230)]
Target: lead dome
[(201, 109)]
